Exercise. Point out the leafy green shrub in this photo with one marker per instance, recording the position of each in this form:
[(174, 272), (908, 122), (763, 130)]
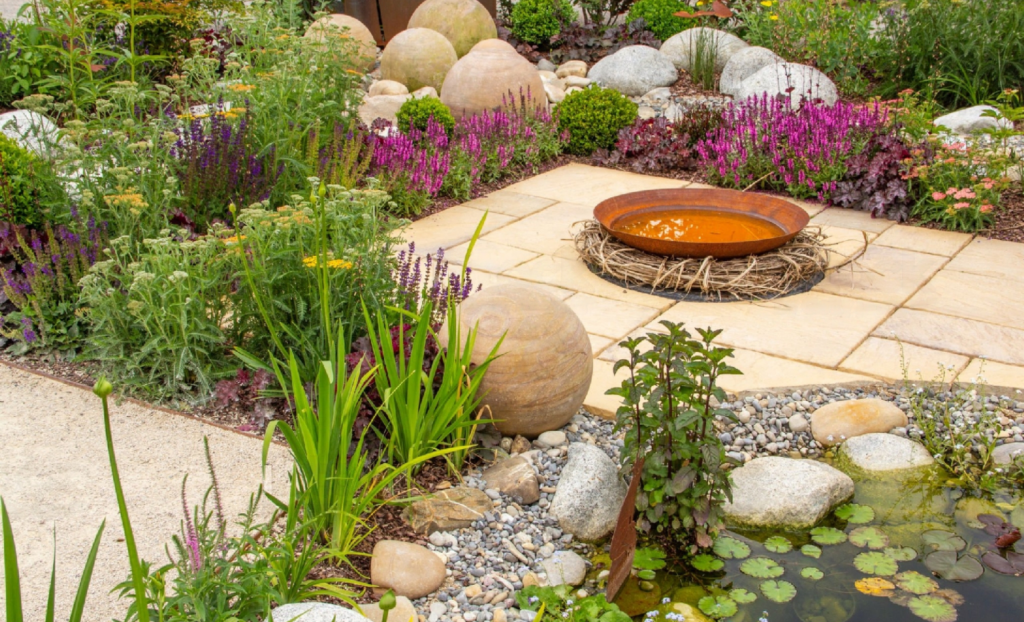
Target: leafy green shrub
[(418, 110), (966, 52), (24, 187), (156, 313), (561, 604), (593, 118), (668, 421), (658, 15), (536, 21)]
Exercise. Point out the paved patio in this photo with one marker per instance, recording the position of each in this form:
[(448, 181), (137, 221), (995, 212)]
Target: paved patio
[(928, 298)]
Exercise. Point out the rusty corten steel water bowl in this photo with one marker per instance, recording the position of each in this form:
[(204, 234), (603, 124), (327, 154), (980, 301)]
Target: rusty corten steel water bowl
[(701, 222)]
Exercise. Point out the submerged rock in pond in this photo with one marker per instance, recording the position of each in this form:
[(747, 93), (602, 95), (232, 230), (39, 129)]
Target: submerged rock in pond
[(885, 452), (785, 493)]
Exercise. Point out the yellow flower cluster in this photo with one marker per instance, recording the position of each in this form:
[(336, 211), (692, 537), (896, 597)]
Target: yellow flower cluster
[(313, 262), (241, 88)]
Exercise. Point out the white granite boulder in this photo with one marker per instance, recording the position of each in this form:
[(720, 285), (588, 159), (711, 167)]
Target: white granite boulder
[(785, 493), (589, 493), (315, 612), (743, 64), (776, 80), (634, 70), (971, 120), (681, 47), (885, 452), (31, 130)]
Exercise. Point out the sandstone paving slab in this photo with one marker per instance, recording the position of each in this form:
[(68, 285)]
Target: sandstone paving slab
[(616, 352), (607, 317), (54, 472), (450, 227), (589, 185), (574, 274), (993, 374), (510, 203), (490, 256), (995, 258), (851, 219), (954, 334), (807, 206), (845, 243), (544, 232), (489, 279), (882, 274), (599, 343), (973, 296), (921, 240), (597, 402), (762, 371), (886, 358), (812, 327)]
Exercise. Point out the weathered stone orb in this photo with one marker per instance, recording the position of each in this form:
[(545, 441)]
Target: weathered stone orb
[(491, 71), (463, 22), (418, 57), (542, 375), (346, 27)]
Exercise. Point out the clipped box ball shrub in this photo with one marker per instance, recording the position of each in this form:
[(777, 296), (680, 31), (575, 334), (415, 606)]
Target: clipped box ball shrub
[(20, 187), (536, 21), (658, 15), (593, 118), (418, 110)]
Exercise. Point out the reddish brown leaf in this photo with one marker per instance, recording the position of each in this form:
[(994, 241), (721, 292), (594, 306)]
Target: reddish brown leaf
[(718, 9), (1008, 540)]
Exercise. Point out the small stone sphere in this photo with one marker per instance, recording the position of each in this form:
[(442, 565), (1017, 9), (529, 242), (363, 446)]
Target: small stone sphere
[(418, 57), (346, 26), (463, 22), (492, 73), (545, 364)]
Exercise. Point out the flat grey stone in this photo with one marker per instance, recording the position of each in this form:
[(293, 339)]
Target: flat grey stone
[(1005, 454), (775, 492), (971, 120), (315, 612), (634, 70), (885, 452), (565, 568)]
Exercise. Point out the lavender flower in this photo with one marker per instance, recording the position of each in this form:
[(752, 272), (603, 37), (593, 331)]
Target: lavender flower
[(428, 278)]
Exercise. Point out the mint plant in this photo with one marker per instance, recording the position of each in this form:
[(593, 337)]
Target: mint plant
[(668, 419)]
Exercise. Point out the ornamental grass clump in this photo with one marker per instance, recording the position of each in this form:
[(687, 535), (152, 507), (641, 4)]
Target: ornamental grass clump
[(668, 423), (764, 143)]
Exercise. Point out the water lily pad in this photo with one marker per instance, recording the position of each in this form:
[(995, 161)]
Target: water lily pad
[(731, 548), (778, 591), (717, 606), (706, 563), (915, 583), (876, 563), (940, 540), (1012, 564), (761, 568), (856, 514), (950, 595), (932, 608), (742, 596), (947, 566), (901, 553), (778, 544), (870, 537), (900, 598), (649, 559), (875, 586), (828, 535), (812, 573), (811, 551)]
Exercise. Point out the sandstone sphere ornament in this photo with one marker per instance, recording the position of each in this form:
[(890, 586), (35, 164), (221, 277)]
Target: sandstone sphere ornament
[(492, 70), (346, 27), (463, 22), (544, 367), (418, 57)]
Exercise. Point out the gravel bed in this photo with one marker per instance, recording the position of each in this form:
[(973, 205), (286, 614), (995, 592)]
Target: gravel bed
[(489, 562)]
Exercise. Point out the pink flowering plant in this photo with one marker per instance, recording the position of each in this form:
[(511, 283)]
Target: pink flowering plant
[(958, 188), (763, 143)]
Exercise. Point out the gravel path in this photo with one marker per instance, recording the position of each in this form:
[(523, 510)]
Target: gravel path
[(54, 472), (9, 8)]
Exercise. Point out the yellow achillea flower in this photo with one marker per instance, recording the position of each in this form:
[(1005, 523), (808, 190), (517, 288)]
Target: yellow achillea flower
[(234, 239), (766, 2), (241, 88), (774, 17), (311, 262)]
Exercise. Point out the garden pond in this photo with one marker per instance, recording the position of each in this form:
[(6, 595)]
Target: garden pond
[(905, 548)]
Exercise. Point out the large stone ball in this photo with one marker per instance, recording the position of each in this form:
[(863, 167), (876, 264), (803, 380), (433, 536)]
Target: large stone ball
[(463, 22), (346, 27), (492, 70), (418, 57), (544, 367)]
